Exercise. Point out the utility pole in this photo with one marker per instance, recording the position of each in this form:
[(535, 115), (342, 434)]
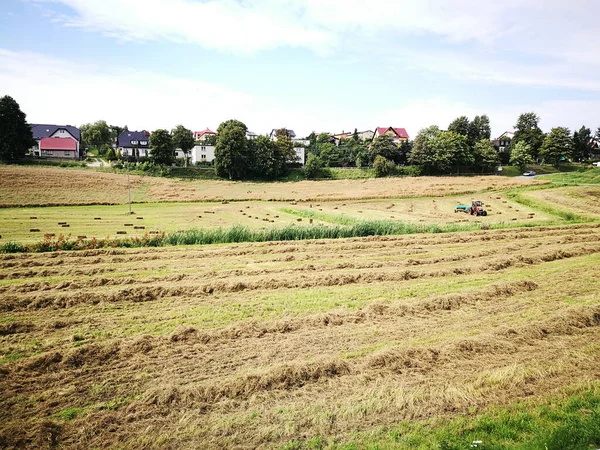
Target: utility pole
[(129, 189)]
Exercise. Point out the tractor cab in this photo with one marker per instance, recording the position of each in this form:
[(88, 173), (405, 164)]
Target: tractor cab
[(476, 209)]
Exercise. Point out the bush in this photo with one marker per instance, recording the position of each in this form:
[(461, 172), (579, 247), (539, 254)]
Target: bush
[(313, 167), (383, 167), (111, 155), (409, 171)]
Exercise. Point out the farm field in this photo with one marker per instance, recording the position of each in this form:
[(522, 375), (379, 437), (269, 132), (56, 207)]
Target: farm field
[(29, 224), (35, 186), (357, 342), (401, 341)]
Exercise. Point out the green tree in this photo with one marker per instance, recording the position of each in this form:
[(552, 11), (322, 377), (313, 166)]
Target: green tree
[(330, 155), (210, 139), (460, 125), (162, 150), (449, 150), (111, 155), (16, 137), (355, 135), (422, 145), (97, 135), (183, 139), (383, 167), (313, 167), (557, 146), (528, 131), (520, 155), (486, 157), (266, 158), (232, 158), (384, 146), (115, 131), (583, 144)]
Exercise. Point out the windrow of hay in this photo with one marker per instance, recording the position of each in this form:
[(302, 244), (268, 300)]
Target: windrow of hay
[(282, 377)]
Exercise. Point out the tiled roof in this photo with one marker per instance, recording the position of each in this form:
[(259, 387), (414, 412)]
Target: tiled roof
[(41, 130), (199, 134), (53, 143), (400, 132), (127, 136)]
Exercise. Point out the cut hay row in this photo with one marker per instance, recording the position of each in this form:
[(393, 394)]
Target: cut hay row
[(246, 345)]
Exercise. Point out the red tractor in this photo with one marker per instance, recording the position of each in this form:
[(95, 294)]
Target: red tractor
[(476, 209)]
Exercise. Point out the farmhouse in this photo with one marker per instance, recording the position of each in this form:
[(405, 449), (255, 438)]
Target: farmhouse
[(134, 143), (56, 141), (398, 135)]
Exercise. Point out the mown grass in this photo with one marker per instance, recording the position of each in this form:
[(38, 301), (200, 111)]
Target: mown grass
[(591, 176), (567, 422), (519, 196), (514, 171)]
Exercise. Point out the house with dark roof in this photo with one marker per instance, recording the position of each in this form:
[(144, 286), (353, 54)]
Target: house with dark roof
[(502, 142), (273, 135), (56, 141), (134, 143), (398, 135)]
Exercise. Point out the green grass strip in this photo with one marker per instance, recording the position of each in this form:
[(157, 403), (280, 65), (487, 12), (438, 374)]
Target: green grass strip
[(569, 422)]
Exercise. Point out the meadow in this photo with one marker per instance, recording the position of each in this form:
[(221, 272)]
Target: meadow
[(401, 341)]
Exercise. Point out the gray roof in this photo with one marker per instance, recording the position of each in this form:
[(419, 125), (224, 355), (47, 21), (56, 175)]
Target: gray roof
[(127, 136), (41, 130), (289, 132)]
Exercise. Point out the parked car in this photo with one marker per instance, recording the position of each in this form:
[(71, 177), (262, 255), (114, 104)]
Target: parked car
[(530, 173)]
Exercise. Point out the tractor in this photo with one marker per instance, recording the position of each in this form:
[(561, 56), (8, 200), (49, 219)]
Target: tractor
[(476, 209)]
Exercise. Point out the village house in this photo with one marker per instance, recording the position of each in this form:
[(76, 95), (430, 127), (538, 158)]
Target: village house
[(134, 143), (299, 144), (398, 135), (202, 135), (56, 141), (502, 142)]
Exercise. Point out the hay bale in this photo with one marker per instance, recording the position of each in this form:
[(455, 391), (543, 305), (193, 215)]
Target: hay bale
[(139, 218), (62, 223), (127, 224), (310, 221), (33, 230), (97, 218), (299, 220), (121, 232), (139, 228), (32, 218), (81, 237), (66, 225)]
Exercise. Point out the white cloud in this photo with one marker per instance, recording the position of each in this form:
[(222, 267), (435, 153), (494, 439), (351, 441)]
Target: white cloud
[(526, 42)]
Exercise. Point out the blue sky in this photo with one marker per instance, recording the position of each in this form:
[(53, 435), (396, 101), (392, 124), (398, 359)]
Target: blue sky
[(324, 65)]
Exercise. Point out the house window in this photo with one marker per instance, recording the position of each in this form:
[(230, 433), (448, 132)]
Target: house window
[(143, 142), (48, 152), (203, 149), (202, 156), (67, 153), (134, 142)]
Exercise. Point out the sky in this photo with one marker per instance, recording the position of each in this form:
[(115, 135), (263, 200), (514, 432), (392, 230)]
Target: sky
[(308, 65)]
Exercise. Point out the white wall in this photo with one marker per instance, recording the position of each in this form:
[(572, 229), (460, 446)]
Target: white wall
[(199, 150), (62, 133), (300, 154)]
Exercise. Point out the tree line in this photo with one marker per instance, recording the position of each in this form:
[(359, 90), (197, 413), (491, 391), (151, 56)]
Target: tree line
[(464, 146)]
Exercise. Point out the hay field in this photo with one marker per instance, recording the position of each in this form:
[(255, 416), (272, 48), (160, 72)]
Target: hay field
[(31, 186), (30, 224), (357, 343)]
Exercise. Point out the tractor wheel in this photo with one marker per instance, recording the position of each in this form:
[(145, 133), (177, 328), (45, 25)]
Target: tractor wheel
[(484, 213), (455, 211)]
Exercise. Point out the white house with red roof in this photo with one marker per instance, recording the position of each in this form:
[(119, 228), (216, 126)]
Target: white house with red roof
[(201, 135), (398, 135)]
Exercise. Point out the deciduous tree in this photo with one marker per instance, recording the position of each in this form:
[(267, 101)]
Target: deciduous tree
[(583, 144), (16, 137), (486, 157), (231, 151), (97, 135), (162, 150), (460, 125), (183, 139), (384, 146), (557, 146), (520, 155), (528, 131)]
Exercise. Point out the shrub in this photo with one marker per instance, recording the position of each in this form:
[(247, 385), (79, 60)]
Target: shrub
[(383, 167), (313, 167), (409, 171)]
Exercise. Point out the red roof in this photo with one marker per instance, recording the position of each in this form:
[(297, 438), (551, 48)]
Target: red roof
[(199, 134), (400, 132), (52, 143)]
